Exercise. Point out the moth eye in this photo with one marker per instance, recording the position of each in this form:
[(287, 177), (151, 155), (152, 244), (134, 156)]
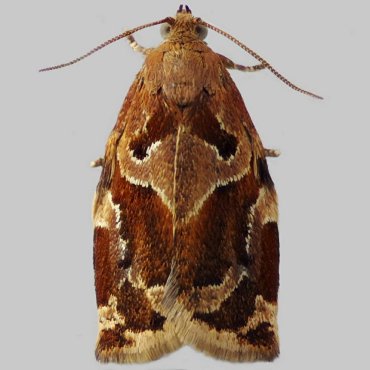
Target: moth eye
[(201, 31), (165, 30)]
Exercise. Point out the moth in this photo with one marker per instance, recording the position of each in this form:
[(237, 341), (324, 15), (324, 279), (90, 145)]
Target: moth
[(186, 245)]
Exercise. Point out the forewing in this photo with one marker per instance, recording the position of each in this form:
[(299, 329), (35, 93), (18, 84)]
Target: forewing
[(224, 281), (132, 243)]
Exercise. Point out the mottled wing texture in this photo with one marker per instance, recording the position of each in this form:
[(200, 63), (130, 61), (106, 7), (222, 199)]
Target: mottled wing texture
[(186, 238)]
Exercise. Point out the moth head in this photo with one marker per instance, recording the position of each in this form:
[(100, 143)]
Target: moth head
[(184, 27)]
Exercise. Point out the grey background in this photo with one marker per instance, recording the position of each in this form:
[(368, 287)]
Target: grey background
[(54, 124)]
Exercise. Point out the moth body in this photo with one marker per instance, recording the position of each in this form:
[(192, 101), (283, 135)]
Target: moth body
[(186, 240)]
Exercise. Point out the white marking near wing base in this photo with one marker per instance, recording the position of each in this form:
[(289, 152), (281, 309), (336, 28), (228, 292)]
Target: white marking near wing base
[(149, 151)]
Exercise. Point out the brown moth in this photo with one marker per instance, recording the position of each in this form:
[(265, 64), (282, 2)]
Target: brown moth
[(186, 246)]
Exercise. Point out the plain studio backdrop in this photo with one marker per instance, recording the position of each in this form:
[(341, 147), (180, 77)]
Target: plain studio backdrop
[(53, 124)]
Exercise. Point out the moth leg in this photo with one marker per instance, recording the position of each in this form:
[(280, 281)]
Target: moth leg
[(272, 152), (97, 163), (137, 47), (228, 63)]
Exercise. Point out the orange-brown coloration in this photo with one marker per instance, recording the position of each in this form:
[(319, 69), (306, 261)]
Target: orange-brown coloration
[(185, 209)]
